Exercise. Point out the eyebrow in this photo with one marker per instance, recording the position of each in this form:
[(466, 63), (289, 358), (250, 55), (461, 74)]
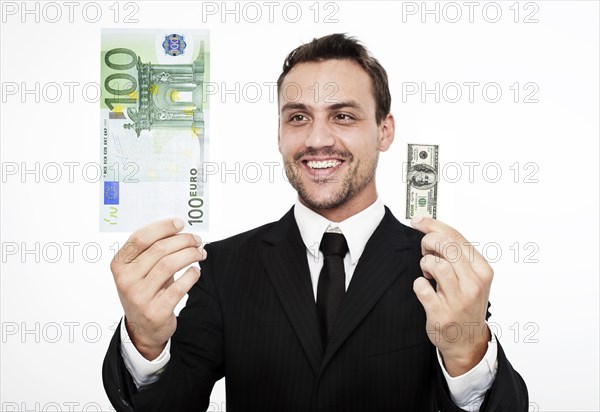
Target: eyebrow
[(293, 106), (336, 106), (350, 104)]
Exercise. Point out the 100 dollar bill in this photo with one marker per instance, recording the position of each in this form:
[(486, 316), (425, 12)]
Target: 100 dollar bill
[(421, 180), (153, 138)]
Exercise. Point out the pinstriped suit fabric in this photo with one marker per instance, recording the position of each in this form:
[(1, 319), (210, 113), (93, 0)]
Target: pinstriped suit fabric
[(252, 318)]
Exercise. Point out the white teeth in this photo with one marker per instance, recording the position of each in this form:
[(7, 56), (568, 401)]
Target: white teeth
[(323, 164)]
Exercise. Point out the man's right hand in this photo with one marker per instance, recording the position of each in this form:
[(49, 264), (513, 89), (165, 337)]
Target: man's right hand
[(144, 270)]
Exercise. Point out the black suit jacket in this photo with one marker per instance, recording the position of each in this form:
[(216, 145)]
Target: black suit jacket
[(252, 318)]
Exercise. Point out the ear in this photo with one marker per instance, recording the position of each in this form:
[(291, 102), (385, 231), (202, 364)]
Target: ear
[(279, 138), (387, 129)]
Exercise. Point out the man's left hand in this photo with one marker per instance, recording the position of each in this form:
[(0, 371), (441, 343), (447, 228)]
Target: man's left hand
[(457, 308)]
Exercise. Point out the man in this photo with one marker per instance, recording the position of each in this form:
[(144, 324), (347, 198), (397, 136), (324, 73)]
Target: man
[(421, 176), (295, 328)]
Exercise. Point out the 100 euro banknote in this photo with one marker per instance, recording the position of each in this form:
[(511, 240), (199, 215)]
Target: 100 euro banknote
[(153, 138)]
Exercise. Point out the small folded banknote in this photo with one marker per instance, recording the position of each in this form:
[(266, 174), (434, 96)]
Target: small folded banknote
[(421, 180)]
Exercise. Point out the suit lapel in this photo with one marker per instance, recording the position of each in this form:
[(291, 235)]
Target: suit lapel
[(284, 258), (380, 264)]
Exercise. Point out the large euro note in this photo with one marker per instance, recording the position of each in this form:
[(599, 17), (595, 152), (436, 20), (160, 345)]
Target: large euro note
[(153, 136)]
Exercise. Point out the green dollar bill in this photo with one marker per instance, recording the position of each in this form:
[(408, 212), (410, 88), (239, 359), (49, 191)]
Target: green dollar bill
[(153, 138), (421, 180)]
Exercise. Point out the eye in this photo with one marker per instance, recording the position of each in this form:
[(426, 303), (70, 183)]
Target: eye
[(344, 117), (297, 118)]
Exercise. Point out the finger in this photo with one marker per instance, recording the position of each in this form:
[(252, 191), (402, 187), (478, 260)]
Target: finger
[(427, 274), (141, 266), (164, 247), (427, 296), (168, 265), (444, 275), (168, 283), (143, 238), (178, 289), (462, 257), (439, 245), (429, 225)]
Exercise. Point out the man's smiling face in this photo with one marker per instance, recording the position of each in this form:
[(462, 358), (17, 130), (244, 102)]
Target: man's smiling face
[(328, 135)]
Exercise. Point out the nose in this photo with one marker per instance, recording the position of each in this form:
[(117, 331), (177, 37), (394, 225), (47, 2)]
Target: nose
[(320, 134)]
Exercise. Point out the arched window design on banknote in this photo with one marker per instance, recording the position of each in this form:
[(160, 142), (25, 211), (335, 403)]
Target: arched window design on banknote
[(170, 96)]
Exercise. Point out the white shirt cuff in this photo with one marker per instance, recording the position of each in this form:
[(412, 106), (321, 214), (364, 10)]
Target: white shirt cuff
[(143, 371), (468, 390)]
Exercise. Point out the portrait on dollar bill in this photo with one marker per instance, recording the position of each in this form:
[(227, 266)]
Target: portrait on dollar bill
[(422, 176)]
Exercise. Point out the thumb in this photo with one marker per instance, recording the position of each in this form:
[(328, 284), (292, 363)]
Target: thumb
[(420, 223), (426, 295)]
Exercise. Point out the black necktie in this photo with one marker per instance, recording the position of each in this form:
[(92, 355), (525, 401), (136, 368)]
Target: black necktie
[(331, 286)]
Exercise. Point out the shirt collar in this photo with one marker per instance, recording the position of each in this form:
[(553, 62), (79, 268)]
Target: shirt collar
[(357, 229)]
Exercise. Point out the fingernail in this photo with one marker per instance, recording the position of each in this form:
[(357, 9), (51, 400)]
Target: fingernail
[(178, 223), (204, 254), (198, 240), (415, 220)]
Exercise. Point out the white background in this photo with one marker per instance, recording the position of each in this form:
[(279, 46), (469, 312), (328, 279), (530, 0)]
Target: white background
[(57, 318)]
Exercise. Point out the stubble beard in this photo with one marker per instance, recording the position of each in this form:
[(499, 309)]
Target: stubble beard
[(353, 184)]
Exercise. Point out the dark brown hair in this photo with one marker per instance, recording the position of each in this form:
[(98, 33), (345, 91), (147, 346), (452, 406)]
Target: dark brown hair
[(340, 46)]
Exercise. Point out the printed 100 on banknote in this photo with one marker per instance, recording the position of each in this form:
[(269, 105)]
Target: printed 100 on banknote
[(153, 138), (421, 180)]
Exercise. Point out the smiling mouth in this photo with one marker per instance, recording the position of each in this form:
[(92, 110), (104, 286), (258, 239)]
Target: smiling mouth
[(322, 171), (322, 164)]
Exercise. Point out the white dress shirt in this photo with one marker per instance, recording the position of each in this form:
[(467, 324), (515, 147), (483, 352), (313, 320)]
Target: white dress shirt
[(467, 391)]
